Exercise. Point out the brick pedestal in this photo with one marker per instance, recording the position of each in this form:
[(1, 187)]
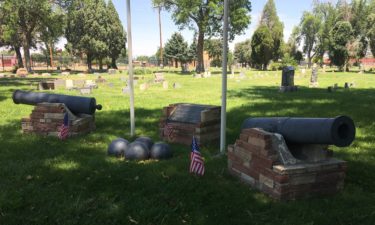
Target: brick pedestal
[(258, 159), (47, 118), (205, 126)]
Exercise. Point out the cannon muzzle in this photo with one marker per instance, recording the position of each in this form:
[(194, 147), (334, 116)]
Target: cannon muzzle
[(76, 104), (339, 131)]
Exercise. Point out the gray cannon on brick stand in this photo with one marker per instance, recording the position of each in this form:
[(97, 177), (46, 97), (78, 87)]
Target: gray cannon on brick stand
[(288, 158), (339, 131), (76, 104)]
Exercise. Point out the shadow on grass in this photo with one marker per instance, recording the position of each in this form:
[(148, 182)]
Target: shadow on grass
[(44, 180)]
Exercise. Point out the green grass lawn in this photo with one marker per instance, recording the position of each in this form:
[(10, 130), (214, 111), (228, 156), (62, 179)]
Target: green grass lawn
[(46, 181)]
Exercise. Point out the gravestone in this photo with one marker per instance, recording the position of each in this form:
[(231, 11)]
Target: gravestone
[(143, 86), (112, 71), (176, 85), (165, 84), (22, 72), (242, 75), (123, 79), (110, 84), (346, 85), (46, 85), (197, 75), (90, 84), (81, 75), (126, 90), (79, 83), (46, 74), (287, 80), (69, 84), (65, 73), (2, 75), (314, 76), (100, 80), (360, 68), (59, 83), (85, 91)]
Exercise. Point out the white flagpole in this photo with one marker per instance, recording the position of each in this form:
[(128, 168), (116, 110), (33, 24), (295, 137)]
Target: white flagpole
[(130, 69), (224, 81)]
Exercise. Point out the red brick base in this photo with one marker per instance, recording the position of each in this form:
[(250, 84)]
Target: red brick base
[(255, 160)]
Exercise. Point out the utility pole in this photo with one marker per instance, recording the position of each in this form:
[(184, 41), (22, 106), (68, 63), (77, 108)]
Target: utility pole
[(223, 125), (130, 69), (161, 40)]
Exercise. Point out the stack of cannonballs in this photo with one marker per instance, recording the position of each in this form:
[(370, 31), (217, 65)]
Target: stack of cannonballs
[(141, 149)]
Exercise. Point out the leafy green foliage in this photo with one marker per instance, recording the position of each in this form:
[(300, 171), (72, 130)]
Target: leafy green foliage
[(270, 19), (262, 46), (205, 17), (242, 52), (214, 48), (371, 32), (341, 34), (94, 30), (116, 34), (177, 49), (309, 29), (21, 21)]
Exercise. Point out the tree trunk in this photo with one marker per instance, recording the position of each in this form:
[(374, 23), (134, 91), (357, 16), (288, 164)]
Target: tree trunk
[(100, 64), (89, 62), (200, 62), (265, 66), (26, 52), (113, 63), (176, 63), (309, 61), (19, 56)]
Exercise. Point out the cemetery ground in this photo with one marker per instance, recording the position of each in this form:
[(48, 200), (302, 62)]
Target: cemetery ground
[(47, 181)]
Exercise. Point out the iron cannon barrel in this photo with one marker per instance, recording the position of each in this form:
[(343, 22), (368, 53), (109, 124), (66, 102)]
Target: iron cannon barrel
[(76, 104), (339, 131)]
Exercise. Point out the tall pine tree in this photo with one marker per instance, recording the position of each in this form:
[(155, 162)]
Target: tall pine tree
[(86, 30), (116, 34), (270, 20)]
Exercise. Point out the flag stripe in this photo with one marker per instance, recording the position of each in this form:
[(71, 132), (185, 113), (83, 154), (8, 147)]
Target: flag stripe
[(196, 160)]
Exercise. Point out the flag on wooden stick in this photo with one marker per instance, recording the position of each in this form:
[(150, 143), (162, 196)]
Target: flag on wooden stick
[(64, 128), (196, 160)]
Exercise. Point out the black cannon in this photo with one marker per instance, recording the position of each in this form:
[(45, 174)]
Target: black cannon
[(339, 131), (76, 104)]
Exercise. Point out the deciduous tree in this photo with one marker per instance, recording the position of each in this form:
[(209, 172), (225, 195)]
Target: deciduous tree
[(206, 18)]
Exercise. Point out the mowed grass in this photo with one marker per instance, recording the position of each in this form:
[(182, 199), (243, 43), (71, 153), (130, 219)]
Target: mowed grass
[(46, 181)]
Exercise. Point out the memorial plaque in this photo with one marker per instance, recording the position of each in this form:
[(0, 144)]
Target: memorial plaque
[(188, 113)]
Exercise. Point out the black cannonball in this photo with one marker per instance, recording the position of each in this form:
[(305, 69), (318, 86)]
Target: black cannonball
[(118, 147), (137, 151), (145, 140), (161, 150)]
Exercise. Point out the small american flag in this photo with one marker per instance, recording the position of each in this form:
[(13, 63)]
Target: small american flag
[(64, 129), (196, 160)]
